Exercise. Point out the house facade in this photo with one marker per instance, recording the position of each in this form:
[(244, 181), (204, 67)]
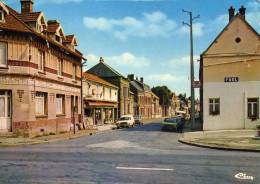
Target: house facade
[(229, 72), (145, 101), (100, 100), (40, 73), (125, 96)]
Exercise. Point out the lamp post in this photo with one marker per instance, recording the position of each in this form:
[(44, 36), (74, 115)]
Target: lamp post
[(190, 25)]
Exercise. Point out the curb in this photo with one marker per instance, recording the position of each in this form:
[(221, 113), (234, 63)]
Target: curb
[(217, 147), (47, 141)]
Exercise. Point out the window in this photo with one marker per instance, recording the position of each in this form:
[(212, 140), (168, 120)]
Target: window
[(76, 104), (214, 106), (2, 16), (74, 72), (125, 92), (60, 67), (41, 61), (252, 108), (60, 104), (40, 104), (3, 54)]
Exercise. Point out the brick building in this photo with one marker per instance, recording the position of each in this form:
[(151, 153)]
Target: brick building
[(40, 73)]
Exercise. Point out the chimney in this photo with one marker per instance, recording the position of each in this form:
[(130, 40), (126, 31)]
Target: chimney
[(242, 11), (26, 6), (131, 77), (231, 11), (142, 80), (101, 60)]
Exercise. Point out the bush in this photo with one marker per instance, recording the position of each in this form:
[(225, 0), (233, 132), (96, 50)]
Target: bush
[(51, 133), (258, 127)]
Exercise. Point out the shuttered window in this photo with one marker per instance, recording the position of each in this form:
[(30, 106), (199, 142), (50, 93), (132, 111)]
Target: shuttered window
[(40, 104), (3, 54), (60, 104)]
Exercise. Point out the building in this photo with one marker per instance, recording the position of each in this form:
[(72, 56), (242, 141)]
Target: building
[(125, 97), (229, 72), (99, 100), (143, 98), (156, 108), (40, 73)]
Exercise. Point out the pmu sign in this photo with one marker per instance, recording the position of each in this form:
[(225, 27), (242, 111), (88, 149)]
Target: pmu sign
[(196, 84)]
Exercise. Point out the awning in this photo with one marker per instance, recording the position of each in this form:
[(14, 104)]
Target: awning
[(101, 104)]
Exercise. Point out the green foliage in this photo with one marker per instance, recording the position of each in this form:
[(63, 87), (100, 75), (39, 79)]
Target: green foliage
[(164, 94), (258, 127)]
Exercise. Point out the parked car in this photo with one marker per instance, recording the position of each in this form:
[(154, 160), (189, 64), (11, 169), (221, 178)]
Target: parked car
[(138, 120), (173, 124), (125, 121)]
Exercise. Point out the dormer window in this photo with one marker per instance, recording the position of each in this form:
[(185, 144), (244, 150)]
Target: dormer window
[(2, 16), (58, 38)]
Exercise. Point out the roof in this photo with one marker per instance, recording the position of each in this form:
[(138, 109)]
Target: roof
[(29, 17), (94, 78), (136, 86), (230, 22), (13, 22), (103, 70), (70, 39)]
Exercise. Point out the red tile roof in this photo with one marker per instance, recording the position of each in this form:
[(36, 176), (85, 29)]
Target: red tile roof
[(29, 17), (97, 79), (13, 22)]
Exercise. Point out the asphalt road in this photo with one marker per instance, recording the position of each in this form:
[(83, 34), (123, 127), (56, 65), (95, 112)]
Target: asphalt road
[(137, 155)]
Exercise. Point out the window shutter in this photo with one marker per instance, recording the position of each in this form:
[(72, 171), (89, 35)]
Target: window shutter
[(2, 54)]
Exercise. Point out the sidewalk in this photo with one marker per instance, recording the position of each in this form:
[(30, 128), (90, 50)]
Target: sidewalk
[(20, 141), (237, 140)]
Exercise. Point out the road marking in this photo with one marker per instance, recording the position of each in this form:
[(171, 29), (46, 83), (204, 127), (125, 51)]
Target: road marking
[(243, 176), (144, 168)]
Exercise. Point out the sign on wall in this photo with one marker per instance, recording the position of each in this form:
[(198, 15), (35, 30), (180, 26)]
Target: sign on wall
[(196, 84), (231, 79)]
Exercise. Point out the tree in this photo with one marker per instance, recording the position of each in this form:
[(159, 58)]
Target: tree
[(164, 93)]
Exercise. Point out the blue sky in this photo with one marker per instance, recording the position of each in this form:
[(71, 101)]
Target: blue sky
[(144, 37)]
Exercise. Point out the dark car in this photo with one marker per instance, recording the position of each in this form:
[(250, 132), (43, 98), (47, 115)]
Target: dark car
[(173, 124)]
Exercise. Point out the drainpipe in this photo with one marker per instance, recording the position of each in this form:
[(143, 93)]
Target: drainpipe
[(81, 91)]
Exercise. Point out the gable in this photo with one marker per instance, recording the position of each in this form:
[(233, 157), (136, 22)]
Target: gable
[(104, 70), (238, 37)]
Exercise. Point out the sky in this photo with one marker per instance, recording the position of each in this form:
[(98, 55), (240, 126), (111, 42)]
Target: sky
[(144, 37)]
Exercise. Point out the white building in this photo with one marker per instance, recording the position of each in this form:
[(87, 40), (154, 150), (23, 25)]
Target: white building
[(230, 75)]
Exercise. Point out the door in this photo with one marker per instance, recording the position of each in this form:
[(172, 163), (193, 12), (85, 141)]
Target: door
[(5, 111)]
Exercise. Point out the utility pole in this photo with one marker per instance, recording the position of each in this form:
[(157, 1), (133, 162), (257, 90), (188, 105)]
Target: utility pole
[(191, 66)]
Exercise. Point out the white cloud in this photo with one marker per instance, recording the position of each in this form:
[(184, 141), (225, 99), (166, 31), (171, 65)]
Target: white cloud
[(197, 29), (182, 61), (125, 60), (163, 77), (149, 25)]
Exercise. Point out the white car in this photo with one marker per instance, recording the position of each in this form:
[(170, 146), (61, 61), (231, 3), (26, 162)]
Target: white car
[(125, 121)]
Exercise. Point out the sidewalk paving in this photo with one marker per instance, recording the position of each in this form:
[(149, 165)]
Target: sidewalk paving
[(20, 141), (239, 140)]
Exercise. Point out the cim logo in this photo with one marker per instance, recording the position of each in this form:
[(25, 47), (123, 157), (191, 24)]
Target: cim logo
[(243, 176)]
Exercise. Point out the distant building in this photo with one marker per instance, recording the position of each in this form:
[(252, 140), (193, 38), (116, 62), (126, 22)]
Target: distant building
[(125, 98), (229, 72), (100, 100), (145, 101), (40, 73)]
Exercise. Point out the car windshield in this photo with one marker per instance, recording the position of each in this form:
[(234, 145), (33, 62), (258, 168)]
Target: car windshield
[(171, 120), (124, 118)]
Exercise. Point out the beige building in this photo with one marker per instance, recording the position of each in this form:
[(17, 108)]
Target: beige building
[(125, 96), (100, 100), (229, 72), (40, 73)]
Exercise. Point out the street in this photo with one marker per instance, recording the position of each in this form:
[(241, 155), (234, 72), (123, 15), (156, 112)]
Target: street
[(142, 154)]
